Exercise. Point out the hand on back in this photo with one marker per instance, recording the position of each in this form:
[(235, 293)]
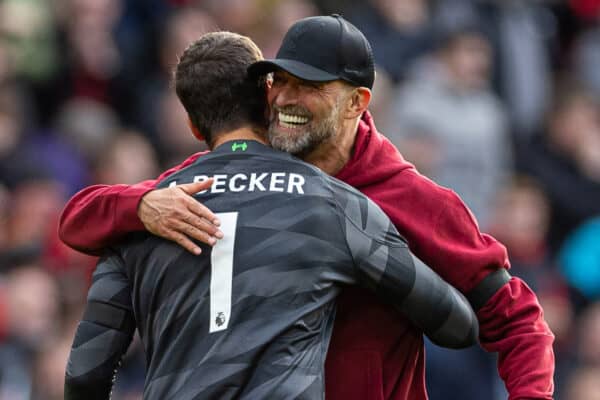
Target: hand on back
[(172, 213)]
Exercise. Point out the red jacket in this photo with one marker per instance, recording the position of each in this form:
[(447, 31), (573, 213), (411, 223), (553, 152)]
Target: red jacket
[(374, 352)]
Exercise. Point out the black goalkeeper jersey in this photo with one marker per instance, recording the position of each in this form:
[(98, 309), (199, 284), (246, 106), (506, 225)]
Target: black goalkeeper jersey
[(251, 318)]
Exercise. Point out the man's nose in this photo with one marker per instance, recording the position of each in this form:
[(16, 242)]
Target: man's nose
[(286, 95)]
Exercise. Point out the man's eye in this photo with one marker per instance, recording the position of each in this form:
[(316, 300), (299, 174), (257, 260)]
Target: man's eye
[(313, 85)]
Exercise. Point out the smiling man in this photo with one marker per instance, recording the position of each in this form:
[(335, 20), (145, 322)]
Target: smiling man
[(374, 353), (251, 318)]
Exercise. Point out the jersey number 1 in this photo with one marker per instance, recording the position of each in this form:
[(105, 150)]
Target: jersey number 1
[(221, 273)]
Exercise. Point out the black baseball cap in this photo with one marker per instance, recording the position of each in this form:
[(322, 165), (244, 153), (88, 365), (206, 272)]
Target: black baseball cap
[(322, 49)]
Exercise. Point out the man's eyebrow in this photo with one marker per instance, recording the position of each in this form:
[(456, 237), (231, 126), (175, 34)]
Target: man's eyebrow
[(314, 83)]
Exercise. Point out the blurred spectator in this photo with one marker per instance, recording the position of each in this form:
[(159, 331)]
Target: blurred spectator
[(26, 153), (241, 16), (589, 337), (580, 259), (476, 379), (180, 29), (4, 213), (27, 32), (49, 367), (455, 124), (589, 9), (399, 31), (176, 139), (10, 135), (526, 32), (102, 56), (586, 58), (33, 321), (6, 64), (183, 27), (33, 301), (522, 33), (128, 159), (282, 15), (520, 220), (88, 126), (565, 160), (560, 315), (15, 379), (95, 57), (13, 157), (583, 385), (383, 92), (35, 206)]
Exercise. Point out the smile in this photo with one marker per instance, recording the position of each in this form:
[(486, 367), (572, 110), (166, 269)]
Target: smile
[(291, 120)]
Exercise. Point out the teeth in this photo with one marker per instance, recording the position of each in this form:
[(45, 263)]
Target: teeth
[(286, 125), (292, 119)]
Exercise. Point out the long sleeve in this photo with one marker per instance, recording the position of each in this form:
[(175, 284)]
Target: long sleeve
[(512, 324), (99, 215), (103, 335), (442, 232), (512, 321), (385, 264)]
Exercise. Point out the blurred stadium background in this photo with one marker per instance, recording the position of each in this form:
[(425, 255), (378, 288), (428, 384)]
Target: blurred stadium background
[(496, 99)]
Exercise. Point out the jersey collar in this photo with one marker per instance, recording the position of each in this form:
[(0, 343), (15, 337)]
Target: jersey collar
[(241, 147)]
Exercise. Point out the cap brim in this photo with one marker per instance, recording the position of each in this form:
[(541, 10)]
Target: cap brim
[(296, 68)]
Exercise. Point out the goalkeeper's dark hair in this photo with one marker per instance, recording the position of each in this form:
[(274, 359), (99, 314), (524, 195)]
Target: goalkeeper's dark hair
[(212, 83)]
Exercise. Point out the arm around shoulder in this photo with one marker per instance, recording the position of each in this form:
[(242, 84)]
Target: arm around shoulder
[(99, 215), (511, 320), (385, 264), (512, 324)]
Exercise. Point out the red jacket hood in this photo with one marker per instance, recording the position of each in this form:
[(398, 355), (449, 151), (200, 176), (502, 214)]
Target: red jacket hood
[(374, 156)]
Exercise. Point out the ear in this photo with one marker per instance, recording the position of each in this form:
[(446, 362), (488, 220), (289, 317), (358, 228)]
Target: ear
[(195, 130), (267, 88), (269, 81), (358, 102)]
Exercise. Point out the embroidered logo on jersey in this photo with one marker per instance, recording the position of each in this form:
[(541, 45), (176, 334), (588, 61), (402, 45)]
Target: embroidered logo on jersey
[(239, 146)]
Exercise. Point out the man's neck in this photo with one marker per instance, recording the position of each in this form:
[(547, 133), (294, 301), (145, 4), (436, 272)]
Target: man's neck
[(243, 133), (331, 156)]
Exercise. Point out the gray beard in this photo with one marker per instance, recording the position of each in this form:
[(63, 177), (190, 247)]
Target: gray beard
[(313, 135)]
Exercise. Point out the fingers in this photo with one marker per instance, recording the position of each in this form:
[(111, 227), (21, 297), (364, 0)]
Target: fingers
[(198, 208), (183, 241), (200, 213), (200, 229), (197, 231), (195, 187), (174, 214)]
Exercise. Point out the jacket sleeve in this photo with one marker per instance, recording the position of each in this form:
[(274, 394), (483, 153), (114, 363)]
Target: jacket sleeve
[(385, 265), (103, 335), (442, 232), (99, 215), (512, 324), (511, 321)]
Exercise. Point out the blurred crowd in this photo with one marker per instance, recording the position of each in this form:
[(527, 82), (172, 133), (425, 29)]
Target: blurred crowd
[(496, 99)]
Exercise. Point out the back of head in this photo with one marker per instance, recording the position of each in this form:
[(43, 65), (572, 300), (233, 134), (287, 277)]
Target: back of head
[(212, 83)]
